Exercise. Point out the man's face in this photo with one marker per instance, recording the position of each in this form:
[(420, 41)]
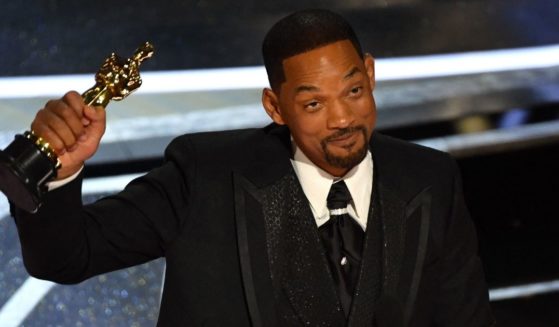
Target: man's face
[(327, 103)]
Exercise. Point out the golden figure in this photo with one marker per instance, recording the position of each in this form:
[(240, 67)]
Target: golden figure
[(117, 78)]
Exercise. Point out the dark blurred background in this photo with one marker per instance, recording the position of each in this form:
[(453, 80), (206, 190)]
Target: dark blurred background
[(501, 126), (58, 37)]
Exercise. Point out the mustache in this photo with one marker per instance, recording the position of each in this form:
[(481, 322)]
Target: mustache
[(344, 131)]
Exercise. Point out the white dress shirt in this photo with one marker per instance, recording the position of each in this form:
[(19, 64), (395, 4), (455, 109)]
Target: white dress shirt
[(316, 185)]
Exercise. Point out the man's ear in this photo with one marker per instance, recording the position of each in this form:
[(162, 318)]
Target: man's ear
[(370, 68), (270, 102)]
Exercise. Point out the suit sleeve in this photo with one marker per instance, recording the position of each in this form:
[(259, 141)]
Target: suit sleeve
[(463, 298), (67, 242)]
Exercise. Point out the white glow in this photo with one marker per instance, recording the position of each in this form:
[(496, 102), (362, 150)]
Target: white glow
[(513, 292), (4, 206), (18, 307), (107, 184), (255, 77), (467, 63)]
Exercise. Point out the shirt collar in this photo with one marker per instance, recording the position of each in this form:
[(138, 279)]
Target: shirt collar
[(316, 184)]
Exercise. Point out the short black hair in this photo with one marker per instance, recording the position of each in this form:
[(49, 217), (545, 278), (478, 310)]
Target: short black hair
[(300, 32)]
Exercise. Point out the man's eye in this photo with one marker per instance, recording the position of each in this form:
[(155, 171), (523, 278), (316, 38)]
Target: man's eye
[(312, 105), (356, 90)]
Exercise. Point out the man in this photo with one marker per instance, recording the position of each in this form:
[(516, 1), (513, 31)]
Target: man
[(244, 218)]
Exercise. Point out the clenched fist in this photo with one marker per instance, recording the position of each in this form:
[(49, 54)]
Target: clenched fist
[(72, 129)]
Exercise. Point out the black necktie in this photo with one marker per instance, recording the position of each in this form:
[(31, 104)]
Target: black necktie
[(343, 240)]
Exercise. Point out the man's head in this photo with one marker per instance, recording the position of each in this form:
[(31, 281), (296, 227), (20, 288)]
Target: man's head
[(300, 32), (321, 88)]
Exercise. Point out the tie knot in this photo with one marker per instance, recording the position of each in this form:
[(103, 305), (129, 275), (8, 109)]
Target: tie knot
[(338, 197)]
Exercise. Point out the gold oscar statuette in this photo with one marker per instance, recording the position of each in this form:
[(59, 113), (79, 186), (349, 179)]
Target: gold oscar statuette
[(29, 163)]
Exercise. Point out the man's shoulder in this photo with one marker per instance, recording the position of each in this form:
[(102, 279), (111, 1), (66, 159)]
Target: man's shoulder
[(228, 138), (217, 137), (387, 145), (406, 160), (241, 144)]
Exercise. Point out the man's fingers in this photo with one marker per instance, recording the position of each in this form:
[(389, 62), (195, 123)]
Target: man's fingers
[(94, 114), (55, 130), (50, 136), (97, 118), (60, 122), (74, 100), (69, 116)]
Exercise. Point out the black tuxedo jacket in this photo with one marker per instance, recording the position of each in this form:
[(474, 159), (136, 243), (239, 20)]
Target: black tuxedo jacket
[(241, 246)]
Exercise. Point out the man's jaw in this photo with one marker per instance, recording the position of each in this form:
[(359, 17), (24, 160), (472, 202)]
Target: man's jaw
[(345, 141)]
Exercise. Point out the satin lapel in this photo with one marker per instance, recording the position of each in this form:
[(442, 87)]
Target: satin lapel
[(251, 241), (418, 217), (406, 232)]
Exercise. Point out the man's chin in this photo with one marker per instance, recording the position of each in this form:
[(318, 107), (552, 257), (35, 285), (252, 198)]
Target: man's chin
[(346, 149), (345, 158)]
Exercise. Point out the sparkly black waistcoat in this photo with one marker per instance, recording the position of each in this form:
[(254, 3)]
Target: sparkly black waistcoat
[(299, 269), (304, 291)]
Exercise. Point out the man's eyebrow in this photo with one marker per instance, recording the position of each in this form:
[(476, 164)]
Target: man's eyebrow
[(352, 72), (311, 88), (306, 88)]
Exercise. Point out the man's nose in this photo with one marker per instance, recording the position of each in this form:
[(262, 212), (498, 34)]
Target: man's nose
[(340, 115)]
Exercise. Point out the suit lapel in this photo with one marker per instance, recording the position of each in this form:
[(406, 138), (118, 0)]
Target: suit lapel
[(251, 240), (404, 216), (406, 233), (417, 220)]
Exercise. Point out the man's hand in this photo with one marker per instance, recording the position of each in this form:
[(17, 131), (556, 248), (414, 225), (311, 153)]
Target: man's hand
[(72, 129)]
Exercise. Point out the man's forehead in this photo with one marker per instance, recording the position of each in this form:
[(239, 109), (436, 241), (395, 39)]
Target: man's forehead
[(337, 59), (310, 87)]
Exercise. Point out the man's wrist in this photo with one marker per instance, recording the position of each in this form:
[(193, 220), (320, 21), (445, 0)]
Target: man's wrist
[(63, 181), (67, 171)]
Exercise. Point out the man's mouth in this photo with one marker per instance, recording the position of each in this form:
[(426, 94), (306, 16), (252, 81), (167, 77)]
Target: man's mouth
[(345, 137), (344, 140)]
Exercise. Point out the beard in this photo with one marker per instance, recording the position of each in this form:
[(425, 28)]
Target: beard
[(352, 158)]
